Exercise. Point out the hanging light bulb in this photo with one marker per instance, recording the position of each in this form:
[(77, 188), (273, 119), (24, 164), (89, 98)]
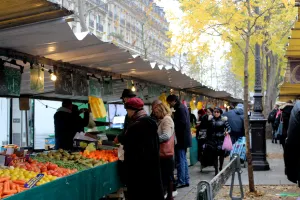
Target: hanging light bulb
[(133, 89), (53, 77)]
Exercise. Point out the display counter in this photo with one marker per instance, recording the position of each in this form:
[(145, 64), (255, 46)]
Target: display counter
[(91, 184)]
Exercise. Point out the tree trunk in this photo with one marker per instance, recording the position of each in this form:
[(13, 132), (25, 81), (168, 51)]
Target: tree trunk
[(81, 14), (246, 117)]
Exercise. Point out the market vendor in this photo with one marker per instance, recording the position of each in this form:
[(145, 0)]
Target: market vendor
[(65, 130)]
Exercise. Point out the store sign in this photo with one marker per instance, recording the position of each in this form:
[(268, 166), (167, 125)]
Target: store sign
[(10, 81), (80, 83), (63, 84), (37, 79), (94, 88)]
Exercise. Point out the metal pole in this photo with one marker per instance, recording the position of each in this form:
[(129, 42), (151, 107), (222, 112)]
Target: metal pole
[(257, 119)]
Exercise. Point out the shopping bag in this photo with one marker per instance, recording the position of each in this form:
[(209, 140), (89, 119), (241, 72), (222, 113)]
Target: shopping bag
[(227, 144)]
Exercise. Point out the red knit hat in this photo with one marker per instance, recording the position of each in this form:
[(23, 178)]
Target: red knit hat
[(134, 104)]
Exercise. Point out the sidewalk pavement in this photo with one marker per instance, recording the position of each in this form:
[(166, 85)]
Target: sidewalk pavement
[(275, 176)]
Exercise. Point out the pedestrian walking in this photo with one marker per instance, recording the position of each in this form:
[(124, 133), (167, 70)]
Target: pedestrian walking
[(202, 130), (166, 133), (271, 120), (184, 140), (236, 121), (141, 154), (291, 149), (283, 118), (218, 129)]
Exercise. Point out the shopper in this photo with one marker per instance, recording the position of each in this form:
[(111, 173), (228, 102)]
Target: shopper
[(184, 140), (166, 135), (141, 157), (193, 119), (291, 149), (218, 129), (284, 118), (202, 130), (126, 95), (236, 121), (64, 126), (271, 120)]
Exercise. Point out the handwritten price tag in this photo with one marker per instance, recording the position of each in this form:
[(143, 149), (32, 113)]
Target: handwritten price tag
[(32, 182)]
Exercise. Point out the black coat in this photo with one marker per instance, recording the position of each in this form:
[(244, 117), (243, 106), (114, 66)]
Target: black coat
[(216, 130), (141, 157), (236, 122), (122, 134), (286, 113), (182, 126), (66, 125), (291, 149)]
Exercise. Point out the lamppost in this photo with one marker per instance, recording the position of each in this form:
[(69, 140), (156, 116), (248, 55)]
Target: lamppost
[(258, 121)]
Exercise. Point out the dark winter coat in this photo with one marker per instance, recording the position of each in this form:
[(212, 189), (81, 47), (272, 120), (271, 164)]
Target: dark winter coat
[(216, 130), (141, 157), (182, 126), (80, 122), (122, 135), (66, 125), (286, 113), (236, 122), (291, 149)]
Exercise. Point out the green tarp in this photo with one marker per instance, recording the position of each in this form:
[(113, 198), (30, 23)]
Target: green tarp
[(91, 184)]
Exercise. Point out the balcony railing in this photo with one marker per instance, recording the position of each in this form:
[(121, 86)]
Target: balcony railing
[(100, 4), (99, 27)]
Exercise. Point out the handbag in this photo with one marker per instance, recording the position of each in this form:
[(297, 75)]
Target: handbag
[(167, 148), (280, 128)]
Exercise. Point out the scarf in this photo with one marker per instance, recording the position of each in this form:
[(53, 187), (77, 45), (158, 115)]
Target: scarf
[(138, 115)]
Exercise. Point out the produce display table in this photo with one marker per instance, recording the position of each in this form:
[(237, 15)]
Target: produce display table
[(91, 184), (194, 152)]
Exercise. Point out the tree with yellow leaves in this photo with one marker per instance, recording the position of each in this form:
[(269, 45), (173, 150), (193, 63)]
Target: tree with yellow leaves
[(241, 23)]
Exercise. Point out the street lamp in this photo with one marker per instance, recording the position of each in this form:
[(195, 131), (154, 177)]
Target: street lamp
[(258, 122)]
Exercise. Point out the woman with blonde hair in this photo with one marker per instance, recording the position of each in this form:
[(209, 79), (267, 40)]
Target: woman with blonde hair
[(166, 134)]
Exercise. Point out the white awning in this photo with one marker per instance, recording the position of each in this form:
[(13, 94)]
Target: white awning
[(55, 40)]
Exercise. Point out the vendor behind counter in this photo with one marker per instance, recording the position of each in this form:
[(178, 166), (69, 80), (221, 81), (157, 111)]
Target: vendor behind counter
[(67, 123)]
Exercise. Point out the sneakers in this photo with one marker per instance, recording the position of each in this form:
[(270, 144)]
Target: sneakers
[(174, 194)]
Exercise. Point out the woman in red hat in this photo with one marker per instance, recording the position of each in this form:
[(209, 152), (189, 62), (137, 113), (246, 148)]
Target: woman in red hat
[(141, 154)]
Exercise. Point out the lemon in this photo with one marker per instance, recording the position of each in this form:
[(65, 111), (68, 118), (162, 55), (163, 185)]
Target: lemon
[(38, 184), (13, 178)]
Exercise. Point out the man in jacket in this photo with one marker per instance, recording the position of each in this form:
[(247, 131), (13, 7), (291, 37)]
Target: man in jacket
[(284, 118), (271, 120), (66, 126), (184, 139), (236, 122), (291, 149)]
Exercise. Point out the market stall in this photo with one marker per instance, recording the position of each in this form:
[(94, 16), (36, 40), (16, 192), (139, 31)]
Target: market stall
[(43, 59)]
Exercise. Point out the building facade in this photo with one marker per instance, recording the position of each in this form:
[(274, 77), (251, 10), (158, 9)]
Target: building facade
[(139, 26)]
